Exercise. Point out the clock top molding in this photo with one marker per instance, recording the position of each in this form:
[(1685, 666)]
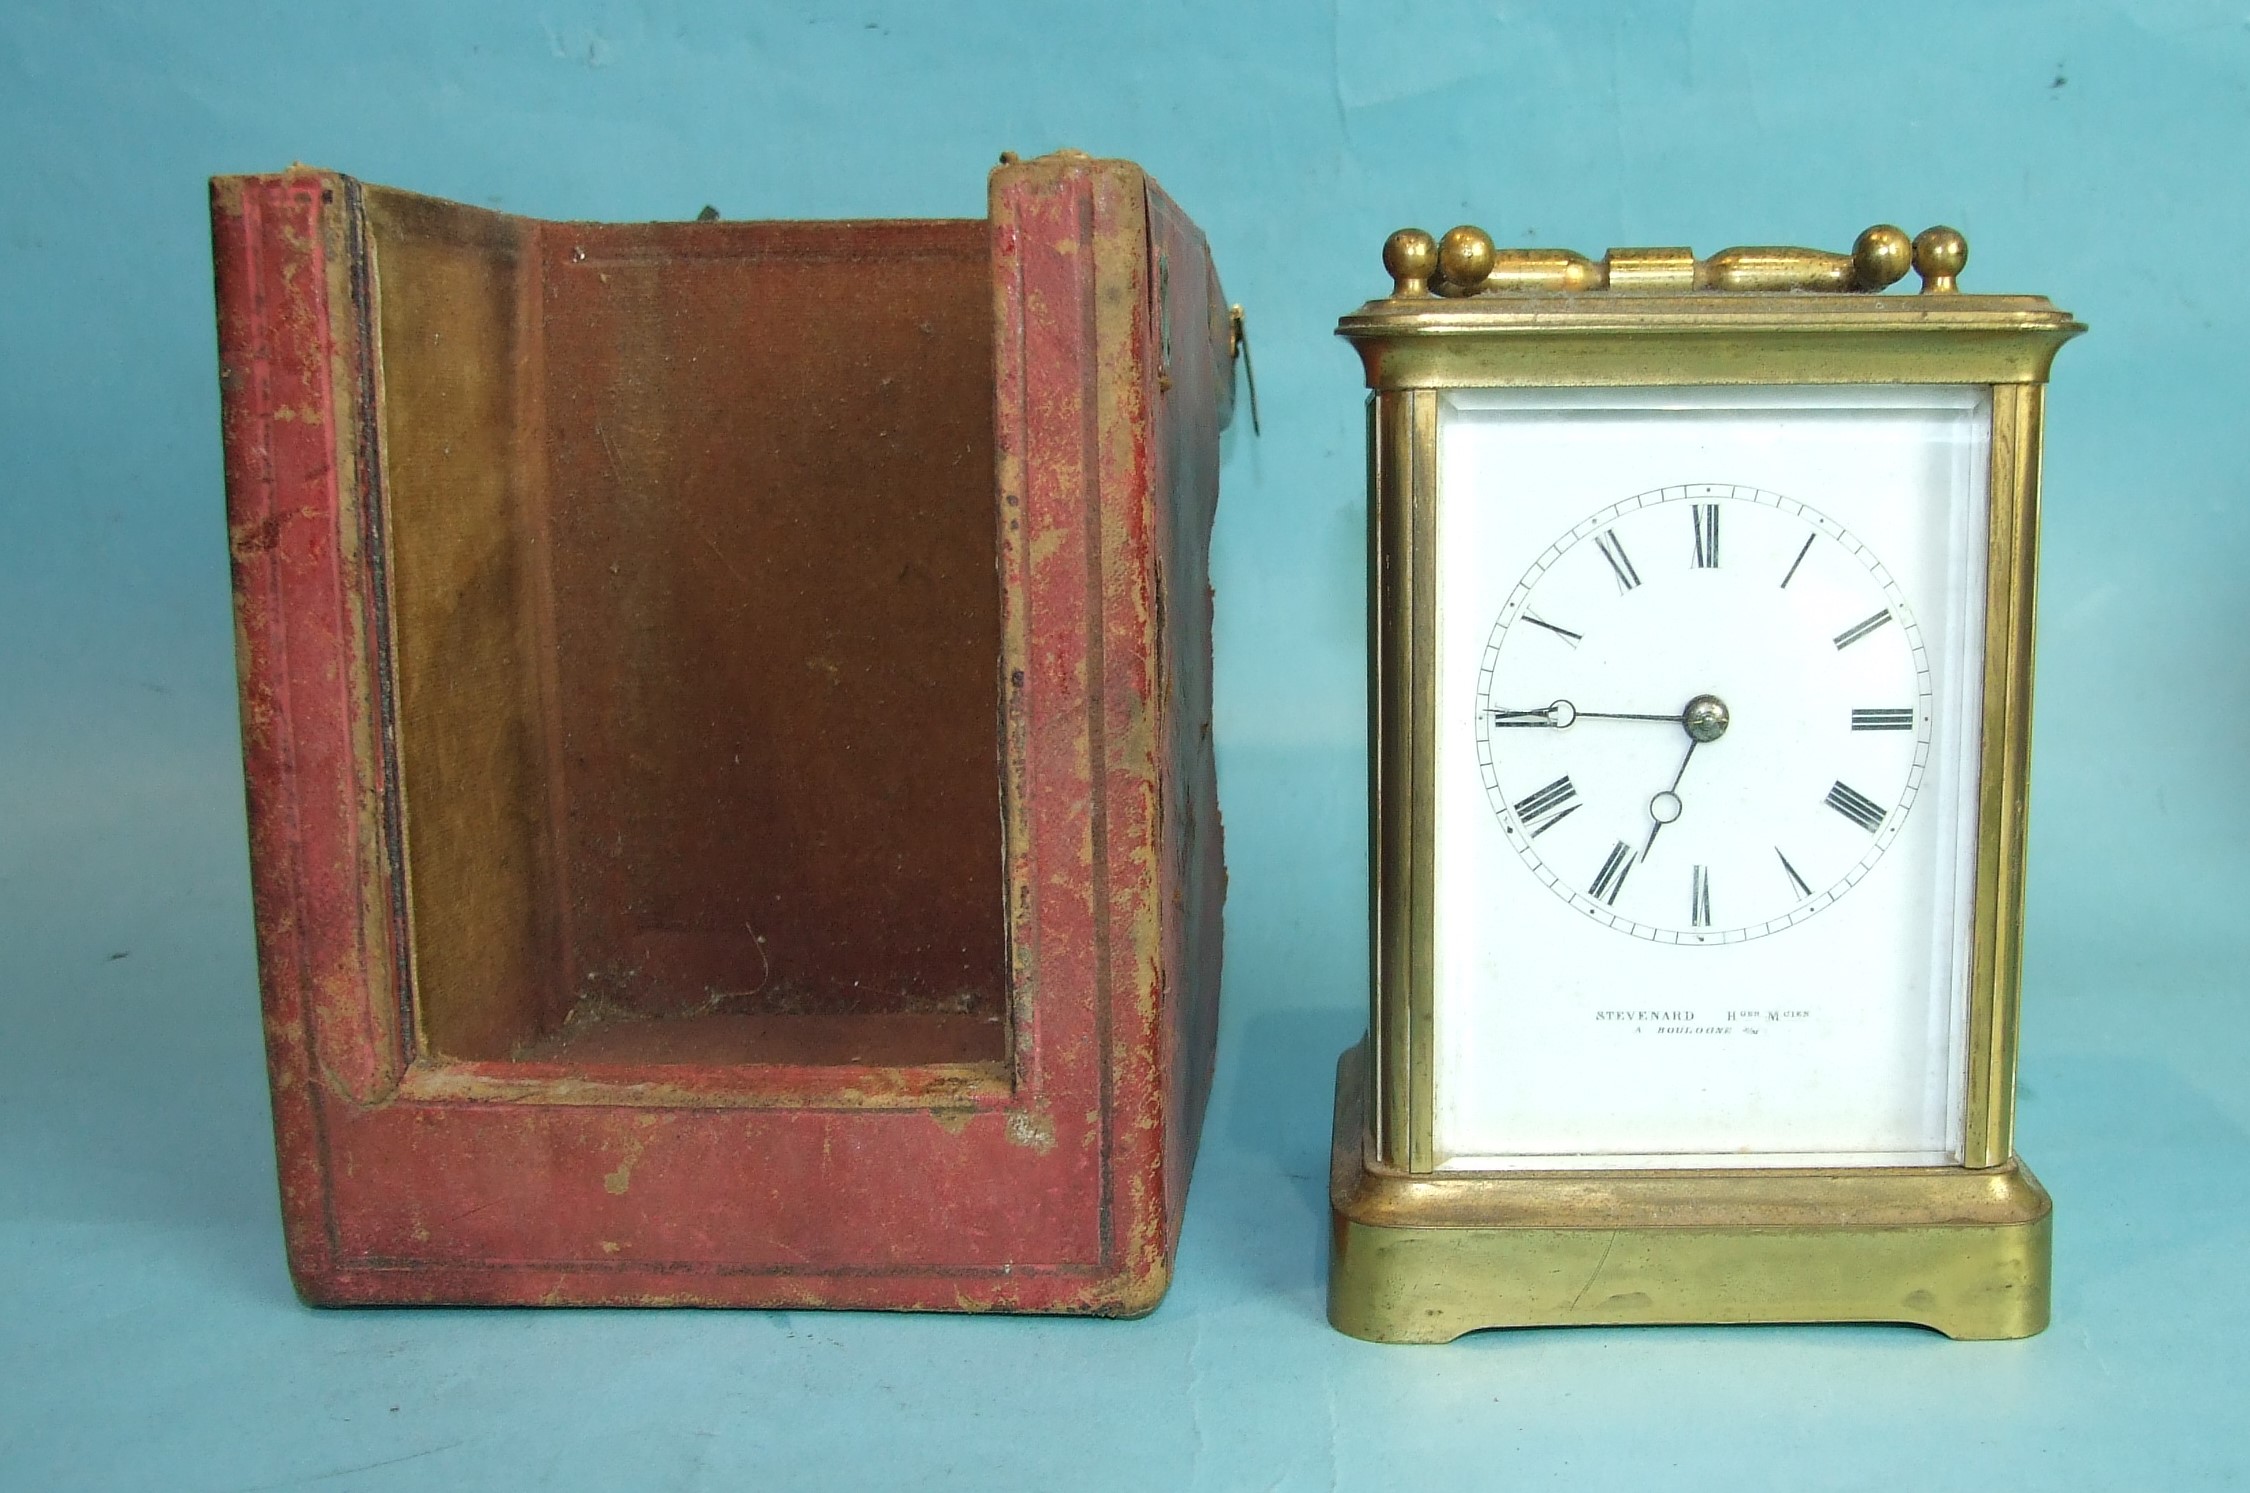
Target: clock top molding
[(1463, 313)]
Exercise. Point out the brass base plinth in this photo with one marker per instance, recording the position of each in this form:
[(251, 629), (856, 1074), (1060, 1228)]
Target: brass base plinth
[(1423, 1259)]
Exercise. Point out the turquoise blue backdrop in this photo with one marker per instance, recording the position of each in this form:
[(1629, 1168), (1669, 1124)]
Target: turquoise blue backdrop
[(2093, 152)]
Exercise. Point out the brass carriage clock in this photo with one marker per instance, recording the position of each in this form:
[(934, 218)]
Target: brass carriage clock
[(1700, 665)]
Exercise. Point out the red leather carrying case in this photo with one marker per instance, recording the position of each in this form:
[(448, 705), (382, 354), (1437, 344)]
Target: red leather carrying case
[(726, 710)]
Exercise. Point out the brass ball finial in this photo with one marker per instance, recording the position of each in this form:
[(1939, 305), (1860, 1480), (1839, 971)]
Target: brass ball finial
[(1880, 257), (1464, 259), (1411, 257), (1940, 253)]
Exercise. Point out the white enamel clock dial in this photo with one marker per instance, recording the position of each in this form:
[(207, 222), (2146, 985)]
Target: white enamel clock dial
[(1708, 678), (1813, 690)]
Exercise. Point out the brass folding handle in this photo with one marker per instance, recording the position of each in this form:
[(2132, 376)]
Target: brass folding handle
[(1465, 263)]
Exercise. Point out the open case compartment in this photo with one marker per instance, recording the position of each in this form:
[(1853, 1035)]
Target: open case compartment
[(726, 712), (694, 602)]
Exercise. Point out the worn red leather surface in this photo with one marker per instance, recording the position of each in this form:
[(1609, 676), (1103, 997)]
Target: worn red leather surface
[(768, 1156)]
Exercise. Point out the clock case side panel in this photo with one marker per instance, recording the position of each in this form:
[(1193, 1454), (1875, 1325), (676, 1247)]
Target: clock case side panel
[(1192, 404)]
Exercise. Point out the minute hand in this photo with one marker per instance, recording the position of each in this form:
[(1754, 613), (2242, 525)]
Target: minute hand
[(1563, 714)]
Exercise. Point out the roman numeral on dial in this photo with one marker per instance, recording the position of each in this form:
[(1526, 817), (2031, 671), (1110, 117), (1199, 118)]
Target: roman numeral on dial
[(1699, 898), (1883, 720), (1706, 535), (1793, 564), (1572, 638), (1610, 880), (1550, 806), (1856, 806), (1620, 564), (1858, 630)]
